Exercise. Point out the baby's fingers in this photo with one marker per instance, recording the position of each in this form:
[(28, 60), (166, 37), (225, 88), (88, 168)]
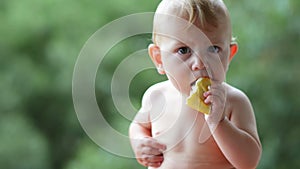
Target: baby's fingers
[(216, 94), (151, 151), (155, 165), (154, 144), (151, 160)]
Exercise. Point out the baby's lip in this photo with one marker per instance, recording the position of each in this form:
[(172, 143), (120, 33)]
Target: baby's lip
[(194, 82)]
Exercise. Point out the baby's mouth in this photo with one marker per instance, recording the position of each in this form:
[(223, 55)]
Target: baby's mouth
[(193, 83)]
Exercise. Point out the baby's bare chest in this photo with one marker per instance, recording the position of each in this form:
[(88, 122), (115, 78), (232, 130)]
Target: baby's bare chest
[(184, 150), (176, 125)]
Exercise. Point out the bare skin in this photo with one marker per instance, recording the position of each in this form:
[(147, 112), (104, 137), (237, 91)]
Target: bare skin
[(166, 134), (170, 139)]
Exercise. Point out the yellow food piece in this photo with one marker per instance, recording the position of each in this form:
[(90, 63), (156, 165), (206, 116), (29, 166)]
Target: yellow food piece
[(196, 98)]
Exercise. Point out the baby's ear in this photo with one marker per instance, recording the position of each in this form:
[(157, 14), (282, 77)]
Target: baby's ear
[(155, 55), (233, 50)]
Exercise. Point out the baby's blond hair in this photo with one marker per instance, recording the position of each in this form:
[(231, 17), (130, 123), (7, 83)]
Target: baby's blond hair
[(199, 12)]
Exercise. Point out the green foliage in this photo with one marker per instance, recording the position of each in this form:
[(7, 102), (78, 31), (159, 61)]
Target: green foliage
[(21, 145), (39, 45), (91, 156)]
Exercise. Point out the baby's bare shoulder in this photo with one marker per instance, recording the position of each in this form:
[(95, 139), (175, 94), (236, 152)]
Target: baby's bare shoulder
[(151, 96), (235, 95), (157, 89), (241, 110), (160, 86), (155, 92)]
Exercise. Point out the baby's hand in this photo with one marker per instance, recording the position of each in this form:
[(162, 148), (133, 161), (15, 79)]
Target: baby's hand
[(216, 96), (149, 152)]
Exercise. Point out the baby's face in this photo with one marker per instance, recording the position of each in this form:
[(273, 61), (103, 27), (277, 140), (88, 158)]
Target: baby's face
[(188, 53)]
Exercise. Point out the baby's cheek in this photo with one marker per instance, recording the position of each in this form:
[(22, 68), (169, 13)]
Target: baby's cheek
[(176, 84)]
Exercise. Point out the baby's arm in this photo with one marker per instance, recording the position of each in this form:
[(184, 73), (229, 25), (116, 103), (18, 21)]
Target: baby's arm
[(147, 150), (237, 137)]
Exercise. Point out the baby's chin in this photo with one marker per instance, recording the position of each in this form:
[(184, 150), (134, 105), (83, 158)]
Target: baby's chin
[(183, 89), (185, 92)]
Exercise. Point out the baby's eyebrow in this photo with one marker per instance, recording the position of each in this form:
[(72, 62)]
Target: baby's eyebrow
[(175, 42), (216, 41)]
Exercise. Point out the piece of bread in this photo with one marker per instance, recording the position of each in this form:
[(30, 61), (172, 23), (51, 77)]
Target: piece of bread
[(196, 98)]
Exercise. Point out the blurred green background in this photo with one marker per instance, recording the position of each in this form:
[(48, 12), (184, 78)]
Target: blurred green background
[(39, 45)]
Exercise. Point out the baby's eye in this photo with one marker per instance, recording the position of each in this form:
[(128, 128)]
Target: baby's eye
[(184, 50), (214, 49)]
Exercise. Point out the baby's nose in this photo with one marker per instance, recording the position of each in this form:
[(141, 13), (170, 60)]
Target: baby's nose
[(197, 64)]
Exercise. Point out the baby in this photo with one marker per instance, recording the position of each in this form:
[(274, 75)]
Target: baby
[(191, 40)]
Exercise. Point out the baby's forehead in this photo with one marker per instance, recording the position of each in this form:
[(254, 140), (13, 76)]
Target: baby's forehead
[(201, 12), (211, 17)]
